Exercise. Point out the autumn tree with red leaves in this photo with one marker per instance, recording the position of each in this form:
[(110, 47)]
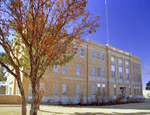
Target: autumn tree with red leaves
[(47, 31)]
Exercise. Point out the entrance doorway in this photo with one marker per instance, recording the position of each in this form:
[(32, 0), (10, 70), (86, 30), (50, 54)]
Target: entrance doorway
[(123, 92)]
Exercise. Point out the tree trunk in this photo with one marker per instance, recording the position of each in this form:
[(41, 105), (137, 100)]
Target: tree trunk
[(23, 99), (34, 105), (23, 105)]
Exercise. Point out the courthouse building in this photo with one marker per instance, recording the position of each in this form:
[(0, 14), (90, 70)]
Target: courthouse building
[(96, 70)]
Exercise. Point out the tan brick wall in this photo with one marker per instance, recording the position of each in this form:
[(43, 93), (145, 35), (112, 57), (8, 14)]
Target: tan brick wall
[(10, 99), (71, 79)]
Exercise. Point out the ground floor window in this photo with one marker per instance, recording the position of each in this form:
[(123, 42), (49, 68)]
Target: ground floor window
[(99, 89), (115, 90), (103, 89)]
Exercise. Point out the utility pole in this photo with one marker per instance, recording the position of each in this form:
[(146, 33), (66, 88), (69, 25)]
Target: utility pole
[(107, 22)]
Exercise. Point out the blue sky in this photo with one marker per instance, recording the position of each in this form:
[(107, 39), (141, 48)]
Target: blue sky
[(129, 27)]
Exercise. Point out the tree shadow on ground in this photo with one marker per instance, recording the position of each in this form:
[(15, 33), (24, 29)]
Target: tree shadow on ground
[(113, 113)]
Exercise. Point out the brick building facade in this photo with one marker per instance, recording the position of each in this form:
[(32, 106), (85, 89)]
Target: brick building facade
[(95, 70)]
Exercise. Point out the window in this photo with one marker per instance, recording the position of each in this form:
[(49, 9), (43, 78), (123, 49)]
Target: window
[(120, 75), (56, 68), (137, 90), (103, 90), (78, 90), (115, 90), (112, 67), (98, 56), (93, 54), (134, 78), (112, 61), (103, 57), (138, 66), (75, 50), (133, 64), (78, 69), (134, 90), (64, 68), (30, 90), (93, 71), (120, 69), (98, 72), (99, 89), (82, 52), (120, 63), (127, 70), (127, 65), (55, 89), (139, 78), (93, 89), (140, 90), (129, 90), (63, 89), (103, 72)]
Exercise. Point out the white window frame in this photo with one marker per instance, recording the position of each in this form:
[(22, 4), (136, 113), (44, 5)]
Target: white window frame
[(93, 54), (98, 72), (75, 50), (82, 52), (98, 56), (78, 69), (93, 71), (103, 73), (64, 68), (56, 68), (64, 90), (103, 57)]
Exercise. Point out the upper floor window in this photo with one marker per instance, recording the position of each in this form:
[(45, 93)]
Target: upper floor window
[(127, 70), (139, 78), (56, 68), (75, 50), (120, 63), (98, 72), (133, 64), (93, 71), (112, 61), (98, 56), (127, 64), (103, 72), (64, 68), (138, 66), (78, 69), (112, 67), (82, 52), (103, 57), (93, 54)]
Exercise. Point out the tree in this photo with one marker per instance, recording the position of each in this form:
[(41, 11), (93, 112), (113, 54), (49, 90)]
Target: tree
[(2, 74), (148, 86), (48, 30)]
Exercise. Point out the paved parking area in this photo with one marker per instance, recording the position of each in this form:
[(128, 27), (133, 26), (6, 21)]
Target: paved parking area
[(124, 109)]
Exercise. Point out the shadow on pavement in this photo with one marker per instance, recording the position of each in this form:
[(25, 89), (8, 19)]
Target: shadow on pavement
[(114, 113)]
